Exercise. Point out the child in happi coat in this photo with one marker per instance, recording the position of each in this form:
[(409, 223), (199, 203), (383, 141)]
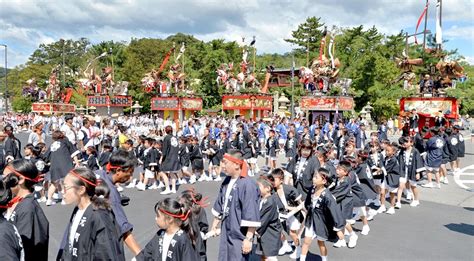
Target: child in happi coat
[(24, 212), (255, 148), (392, 177), (375, 163), (411, 168), (269, 231), (323, 214), (213, 159), (291, 145), (184, 154), (104, 156), (194, 201), (344, 199), (224, 145), (366, 182), (150, 164), (11, 246), (290, 204), (175, 240), (92, 162), (197, 162), (271, 146)]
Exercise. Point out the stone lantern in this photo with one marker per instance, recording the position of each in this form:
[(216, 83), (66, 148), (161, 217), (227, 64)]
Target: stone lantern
[(136, 107)]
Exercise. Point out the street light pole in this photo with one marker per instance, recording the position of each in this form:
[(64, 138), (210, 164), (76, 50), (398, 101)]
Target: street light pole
[(292, 86), (6, 79)]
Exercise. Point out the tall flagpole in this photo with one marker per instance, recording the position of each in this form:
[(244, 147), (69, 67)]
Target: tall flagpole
[(424, 31)]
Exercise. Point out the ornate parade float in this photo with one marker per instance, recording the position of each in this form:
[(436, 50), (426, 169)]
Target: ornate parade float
[(171, 99), (52, 100), (104, 95), (429, 99), (327, 94), (244, 94)]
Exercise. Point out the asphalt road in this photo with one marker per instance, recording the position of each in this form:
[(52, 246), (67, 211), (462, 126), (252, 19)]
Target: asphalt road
[(441, 228)]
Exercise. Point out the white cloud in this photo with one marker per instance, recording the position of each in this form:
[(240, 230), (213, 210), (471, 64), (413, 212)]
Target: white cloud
[(26, 24)]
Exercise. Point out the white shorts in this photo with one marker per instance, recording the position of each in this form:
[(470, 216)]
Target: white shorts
[(392, 189), (271, 158), (432, 169), (293, 223), (252, 160), (412, 183), (381, 183), (149, 174), (309, 232)]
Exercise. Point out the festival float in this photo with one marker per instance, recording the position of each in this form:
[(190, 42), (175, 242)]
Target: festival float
[(244, 95), (52, 100), (430, 99), (171, 100), (102, 92), (327, 94)]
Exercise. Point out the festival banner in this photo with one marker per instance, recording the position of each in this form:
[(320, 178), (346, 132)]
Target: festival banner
[(327, 103), (430, 107), (50, 107), (114, 101), (247, 102), (191, 104), (164, 103)]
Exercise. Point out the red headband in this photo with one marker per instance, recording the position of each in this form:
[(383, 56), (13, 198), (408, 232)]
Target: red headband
[(182, 217), (244, 171), (110, 167), (201, 202), (12, 202), (16, 172), (75, 174)]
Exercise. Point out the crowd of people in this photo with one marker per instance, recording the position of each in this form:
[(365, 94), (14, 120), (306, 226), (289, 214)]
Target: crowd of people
[(334, 174)]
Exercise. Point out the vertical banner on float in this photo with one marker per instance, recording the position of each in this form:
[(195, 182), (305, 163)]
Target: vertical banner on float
[(439, 31)]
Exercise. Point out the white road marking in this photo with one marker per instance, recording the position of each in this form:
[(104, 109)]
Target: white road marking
[(464, 172)]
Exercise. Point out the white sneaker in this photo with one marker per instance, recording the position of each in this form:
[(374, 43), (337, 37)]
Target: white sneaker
[(202, 178), (161, 185), (438, 185), (173, 191), (296, 254), (414, 203), (428, 185), (441, 179), (119, 188), (49, 202), (445, 181), (42, 199), (391, 211), (371, 214), (165, 192), (409, 195), (377, 203), (398, 205), (192, 180), (365, 230), (154, 186), (131, 184), (284, 249), (351, 221), (218, 178), (340, 243), (56, 196), (352, 241), (381, 209), (140, 186), (63, 202), (183, 182), (209, 178)]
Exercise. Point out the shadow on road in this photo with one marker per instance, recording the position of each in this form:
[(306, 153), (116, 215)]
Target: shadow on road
[(468, 208), (461, 228)]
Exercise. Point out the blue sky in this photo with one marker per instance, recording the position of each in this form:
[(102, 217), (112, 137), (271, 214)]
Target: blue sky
[(24, 24)]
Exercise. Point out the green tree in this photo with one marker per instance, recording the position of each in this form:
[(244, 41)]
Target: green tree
[(308, 35)]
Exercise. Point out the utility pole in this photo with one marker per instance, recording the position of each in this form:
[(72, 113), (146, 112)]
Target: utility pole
[(63, 74)]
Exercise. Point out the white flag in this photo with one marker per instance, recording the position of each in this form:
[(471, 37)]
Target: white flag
[(439, 32)]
